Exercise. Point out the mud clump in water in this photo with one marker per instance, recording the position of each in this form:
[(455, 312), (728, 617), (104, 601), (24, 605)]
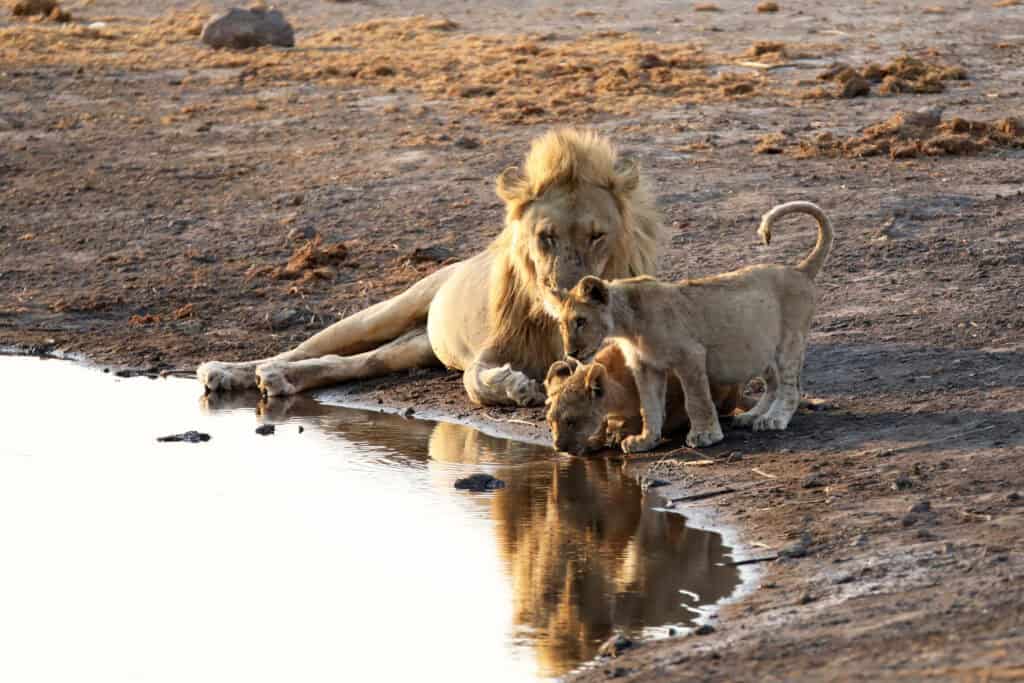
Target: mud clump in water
[(479, 482), (905, 135), (190, 436)]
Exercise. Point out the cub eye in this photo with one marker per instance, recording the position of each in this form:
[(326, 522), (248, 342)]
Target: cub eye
[(580, 323), (547, 240), (596, 237)]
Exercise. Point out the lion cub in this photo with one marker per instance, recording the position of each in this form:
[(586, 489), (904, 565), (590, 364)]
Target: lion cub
[(592, 404), (722, 330)]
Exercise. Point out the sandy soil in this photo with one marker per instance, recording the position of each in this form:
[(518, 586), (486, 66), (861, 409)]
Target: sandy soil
[(157, 200)]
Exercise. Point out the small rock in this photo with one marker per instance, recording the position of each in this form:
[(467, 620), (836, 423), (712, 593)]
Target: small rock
[(797, 548), (925, 535), (920, 507), (25, 8), (467, 143), (434, 252), (854, 86), (288, 317), (409, 412), (265, 430), (646, 483), (807, 599), (244, 28), (673, 631), (704, 630), (190, 436), (902, 483), (1013, 497), (813, 481), (650, 61), (843, 578), (301, 429), (301, 234), (614, 646), (479, 482)]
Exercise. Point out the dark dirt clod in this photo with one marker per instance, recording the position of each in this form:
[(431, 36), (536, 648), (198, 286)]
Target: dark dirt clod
[(479, 482), (190, 436), (614, 646), (265, 429), (704, 630)]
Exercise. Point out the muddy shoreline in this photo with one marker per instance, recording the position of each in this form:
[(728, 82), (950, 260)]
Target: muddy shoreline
[(153, 194)]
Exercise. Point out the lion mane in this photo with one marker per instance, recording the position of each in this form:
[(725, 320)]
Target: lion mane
[(565, 160)]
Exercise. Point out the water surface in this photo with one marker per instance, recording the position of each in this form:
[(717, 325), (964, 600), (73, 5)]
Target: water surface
[(342, 553)]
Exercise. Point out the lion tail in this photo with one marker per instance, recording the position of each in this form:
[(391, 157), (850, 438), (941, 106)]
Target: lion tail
[(814, 261)]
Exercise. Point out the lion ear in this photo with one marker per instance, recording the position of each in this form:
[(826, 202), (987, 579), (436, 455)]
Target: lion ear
[(596, 376), (511, 186), (626, 178), (559, 371), (594, 290)]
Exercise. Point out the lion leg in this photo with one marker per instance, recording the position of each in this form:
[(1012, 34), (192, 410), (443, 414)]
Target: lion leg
[(360, 331), (787, 399), (495, 385), (281, 378), (651, 385), (705, 429), (771, 387)]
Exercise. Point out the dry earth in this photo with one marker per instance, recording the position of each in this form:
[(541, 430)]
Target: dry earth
[(162, 203)]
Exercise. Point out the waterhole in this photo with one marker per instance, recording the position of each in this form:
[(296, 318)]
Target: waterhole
[(334, 549)]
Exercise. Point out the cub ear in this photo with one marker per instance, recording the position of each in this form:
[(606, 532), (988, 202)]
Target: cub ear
[(626, 178), (596, 377), (594, 290), (559, 371)]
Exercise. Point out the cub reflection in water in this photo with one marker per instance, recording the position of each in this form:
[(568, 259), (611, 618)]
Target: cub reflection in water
[(585, 552)]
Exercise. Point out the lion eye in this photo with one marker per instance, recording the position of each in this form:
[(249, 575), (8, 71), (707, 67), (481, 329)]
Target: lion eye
[(580, 323), (597, 237), (547, 240)]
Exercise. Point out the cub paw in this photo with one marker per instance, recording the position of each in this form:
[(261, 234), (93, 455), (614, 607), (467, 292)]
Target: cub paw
[(699, 439), (272, 380), (770, 423), (638, 444)]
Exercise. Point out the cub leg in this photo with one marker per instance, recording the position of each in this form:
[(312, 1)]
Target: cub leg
[(650, 384), (771, 388), (704, 427), (787, 400)]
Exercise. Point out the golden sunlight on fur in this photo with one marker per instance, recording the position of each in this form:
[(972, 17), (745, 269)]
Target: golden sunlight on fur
[(723, 329)]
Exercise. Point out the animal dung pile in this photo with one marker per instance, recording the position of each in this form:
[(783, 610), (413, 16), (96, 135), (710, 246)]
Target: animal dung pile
[(43, 9), (903, 136), (904, 74), (308, 262)]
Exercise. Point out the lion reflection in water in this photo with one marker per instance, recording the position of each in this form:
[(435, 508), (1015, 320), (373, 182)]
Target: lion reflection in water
[(585, 552)]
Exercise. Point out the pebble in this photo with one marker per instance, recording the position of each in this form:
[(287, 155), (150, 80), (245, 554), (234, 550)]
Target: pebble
[(704, 630), (264, 430)]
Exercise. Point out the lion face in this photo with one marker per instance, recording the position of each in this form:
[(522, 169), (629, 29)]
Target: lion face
[(576, 410), (585, 318), (568, 235)]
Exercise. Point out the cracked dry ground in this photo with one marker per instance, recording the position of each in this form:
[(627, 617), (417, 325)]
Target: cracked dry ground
[(158, 203)]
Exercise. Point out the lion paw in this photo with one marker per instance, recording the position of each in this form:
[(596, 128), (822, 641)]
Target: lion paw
[(638, 444), (770, 423), (272, 379), (217, 376), (699, 439), (525, 391), (744, 419)]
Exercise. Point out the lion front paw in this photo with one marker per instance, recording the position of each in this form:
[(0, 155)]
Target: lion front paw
[(217, 376), (697, 439), (273, 380), (744, 419), (770, 423), (525, 391), (638, 444)]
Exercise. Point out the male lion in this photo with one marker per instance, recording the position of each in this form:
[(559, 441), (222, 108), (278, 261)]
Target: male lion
[(590, 404), (572, 211), (723, 329)]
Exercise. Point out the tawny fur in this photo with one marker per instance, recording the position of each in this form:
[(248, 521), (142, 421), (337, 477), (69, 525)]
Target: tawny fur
[(593, 405), (723, 330), (573, 209)]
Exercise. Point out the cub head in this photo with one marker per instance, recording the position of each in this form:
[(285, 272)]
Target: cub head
[(585, 317), (570, 213), (576, 409)]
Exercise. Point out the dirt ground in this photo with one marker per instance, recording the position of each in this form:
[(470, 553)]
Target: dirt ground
[(163, 204)]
